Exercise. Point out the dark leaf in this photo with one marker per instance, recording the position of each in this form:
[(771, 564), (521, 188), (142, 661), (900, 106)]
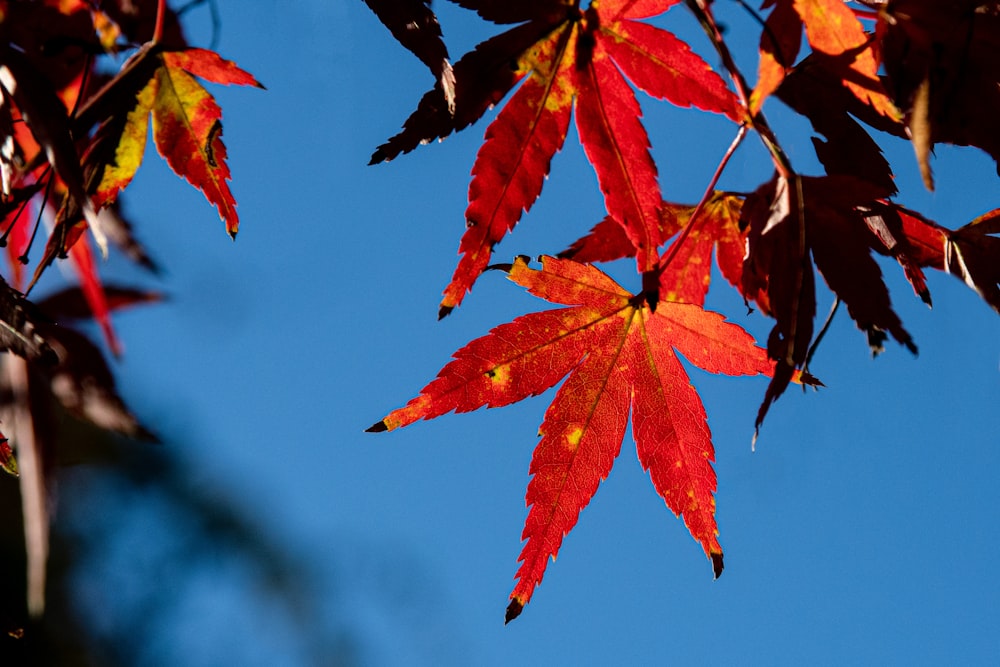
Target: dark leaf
[(414, 25), (85, 386), (20, 325), (942, 61)]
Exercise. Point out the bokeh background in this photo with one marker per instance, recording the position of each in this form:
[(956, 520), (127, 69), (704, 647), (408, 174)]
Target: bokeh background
[(269, 529)]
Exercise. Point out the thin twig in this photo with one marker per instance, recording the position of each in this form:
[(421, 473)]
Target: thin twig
[(800, 206), (819, 336), (38, 223), (24, 205), (686, 231), (161, 9), (703, 13), (213, 11)]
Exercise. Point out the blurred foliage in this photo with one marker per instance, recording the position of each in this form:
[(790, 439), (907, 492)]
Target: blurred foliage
[(135, 536)]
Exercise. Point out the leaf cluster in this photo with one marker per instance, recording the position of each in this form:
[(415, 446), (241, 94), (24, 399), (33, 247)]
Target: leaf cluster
[(858, 72), (72, 136)]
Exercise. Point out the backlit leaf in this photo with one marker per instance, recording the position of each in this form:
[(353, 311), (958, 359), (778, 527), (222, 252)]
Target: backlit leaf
[(835, 32), (618, 357), (187, 128)]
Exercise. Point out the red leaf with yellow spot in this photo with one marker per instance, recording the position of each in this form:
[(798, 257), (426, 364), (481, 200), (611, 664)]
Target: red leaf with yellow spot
[(618, 358)]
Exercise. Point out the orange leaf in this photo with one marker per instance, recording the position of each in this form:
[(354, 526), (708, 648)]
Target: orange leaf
[(834, 31), (617, 356), (779, 46)]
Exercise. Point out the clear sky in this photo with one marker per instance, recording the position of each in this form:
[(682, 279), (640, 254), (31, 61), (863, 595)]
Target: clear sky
[(861, 530)]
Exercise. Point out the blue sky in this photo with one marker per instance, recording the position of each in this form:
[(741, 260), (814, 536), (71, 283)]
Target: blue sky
[(861, 529)]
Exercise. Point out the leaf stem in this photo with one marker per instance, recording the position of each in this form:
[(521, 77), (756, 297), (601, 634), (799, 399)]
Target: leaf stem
[(686, 231), (92, 111), (161, 10), (800, 259), (703, 12), (819, 336)]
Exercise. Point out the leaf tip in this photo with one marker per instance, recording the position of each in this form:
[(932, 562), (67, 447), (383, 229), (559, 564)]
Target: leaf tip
[(378, 427), (507, 267), (717, 565), (444, 311), (514, 610)]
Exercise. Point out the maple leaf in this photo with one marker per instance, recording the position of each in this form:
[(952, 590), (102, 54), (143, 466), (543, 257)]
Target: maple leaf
[(971, 253), (46, 117), (793, 222), (93, 291), (7, 459), (812, 90), (566, 56), (942, 69), (835, 34), (20, 324), (82, 382), (414, 25), (779, 46), (618, 356), (71, 302), (885, 220), (187, 127)]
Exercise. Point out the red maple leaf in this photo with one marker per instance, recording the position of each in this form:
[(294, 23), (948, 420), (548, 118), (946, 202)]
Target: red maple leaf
[(565, 56), (971, 253), (779, 46), (618, 357), (187, 125)]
